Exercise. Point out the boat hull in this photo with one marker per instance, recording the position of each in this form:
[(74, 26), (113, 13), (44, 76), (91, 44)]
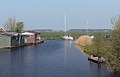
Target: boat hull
[(68, 38)]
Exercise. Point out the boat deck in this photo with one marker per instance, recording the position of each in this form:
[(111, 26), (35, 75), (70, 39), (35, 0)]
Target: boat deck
[(96, 60)]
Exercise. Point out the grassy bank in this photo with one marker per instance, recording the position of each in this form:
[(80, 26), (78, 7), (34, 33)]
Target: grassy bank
[(100, 45), (58, 35)]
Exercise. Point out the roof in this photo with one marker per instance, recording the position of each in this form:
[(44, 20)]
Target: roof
[(11, 34), (35, 32), (2, 29), (27, 33)]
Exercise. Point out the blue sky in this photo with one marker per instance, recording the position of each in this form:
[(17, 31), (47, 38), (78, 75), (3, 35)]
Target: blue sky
[(49, 14)]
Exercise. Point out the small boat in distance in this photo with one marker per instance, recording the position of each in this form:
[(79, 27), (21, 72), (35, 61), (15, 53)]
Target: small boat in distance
[(66, 37)]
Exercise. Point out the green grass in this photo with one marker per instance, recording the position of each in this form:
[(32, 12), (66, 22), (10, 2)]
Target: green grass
[(55, 35), (87, 49), (58, 35)]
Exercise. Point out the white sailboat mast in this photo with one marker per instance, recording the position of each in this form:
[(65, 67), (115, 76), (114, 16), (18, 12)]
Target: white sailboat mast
[(87, 26), (65, 23)]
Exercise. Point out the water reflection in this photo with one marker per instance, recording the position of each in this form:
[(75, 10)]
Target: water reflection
[(55, 58), (65, 54), (81, 49), (67, 43), (50, 47)]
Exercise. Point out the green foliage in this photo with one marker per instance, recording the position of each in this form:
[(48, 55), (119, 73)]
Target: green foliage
[(19, 26), (88, 49), (113, 54), (98, 46)]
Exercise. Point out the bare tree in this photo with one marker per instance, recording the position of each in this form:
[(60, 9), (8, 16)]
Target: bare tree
[(10, 24)]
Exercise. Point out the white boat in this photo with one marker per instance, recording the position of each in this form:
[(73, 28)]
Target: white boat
[(66, 37)]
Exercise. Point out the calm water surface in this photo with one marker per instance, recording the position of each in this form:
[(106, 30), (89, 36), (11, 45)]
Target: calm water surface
[(53, 58)]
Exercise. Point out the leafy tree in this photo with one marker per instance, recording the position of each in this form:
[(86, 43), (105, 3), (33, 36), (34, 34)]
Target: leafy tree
[(113, 54), (19, 26), (98, 45)]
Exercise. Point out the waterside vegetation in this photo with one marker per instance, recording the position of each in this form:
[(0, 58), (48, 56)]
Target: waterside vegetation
[(108, 47)]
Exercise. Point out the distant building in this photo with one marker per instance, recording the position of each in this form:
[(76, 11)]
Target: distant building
[(2, 29), (32, 37), (11, 39)]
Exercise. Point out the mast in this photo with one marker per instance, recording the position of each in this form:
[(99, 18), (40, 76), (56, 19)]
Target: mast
[(87, 26), (65, 23)]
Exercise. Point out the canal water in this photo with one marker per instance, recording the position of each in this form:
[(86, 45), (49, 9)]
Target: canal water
[(53, 58)]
